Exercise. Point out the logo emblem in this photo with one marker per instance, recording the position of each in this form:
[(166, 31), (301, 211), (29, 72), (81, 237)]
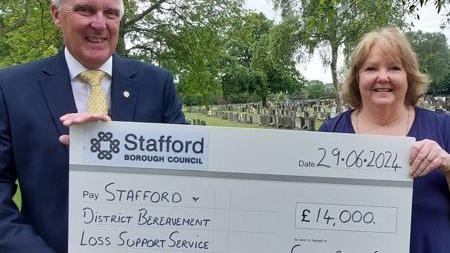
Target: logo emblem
[(112, 144)]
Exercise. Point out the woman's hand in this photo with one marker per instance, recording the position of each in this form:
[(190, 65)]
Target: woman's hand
[(426, 156)]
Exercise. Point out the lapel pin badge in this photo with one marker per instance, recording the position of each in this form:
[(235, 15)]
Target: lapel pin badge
[(126, 94)]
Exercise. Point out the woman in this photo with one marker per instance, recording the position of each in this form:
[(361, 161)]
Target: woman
[(383, 86)]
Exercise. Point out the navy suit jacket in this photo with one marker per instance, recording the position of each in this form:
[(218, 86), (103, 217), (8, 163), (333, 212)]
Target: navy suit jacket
[(32, 98)]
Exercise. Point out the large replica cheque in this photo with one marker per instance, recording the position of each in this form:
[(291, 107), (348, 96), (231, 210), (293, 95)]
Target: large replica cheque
[(138, 187)]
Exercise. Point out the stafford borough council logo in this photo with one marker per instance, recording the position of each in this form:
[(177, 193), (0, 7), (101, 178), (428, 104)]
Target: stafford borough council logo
[(105, 145)]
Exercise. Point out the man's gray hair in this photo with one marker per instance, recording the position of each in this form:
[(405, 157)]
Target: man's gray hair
[(57, 4)]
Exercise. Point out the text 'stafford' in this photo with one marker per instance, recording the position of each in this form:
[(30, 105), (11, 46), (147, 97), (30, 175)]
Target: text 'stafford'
[(162, 149), (164, 143)]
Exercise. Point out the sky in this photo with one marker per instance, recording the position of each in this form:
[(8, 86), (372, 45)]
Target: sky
[(314, 70)]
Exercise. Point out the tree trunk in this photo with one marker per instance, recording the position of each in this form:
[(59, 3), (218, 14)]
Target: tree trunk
[(264, 101), (334, 56), (121, 49)]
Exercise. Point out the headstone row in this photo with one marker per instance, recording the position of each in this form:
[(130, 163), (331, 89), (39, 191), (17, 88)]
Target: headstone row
[(298, 115)]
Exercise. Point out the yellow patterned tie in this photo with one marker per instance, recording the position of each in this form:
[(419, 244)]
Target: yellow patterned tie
[(97, 100)]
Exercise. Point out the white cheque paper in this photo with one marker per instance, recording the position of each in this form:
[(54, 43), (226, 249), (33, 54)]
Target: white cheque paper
[(138, 187)]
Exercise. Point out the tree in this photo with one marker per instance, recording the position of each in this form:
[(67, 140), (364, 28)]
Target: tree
[(434, 56), (337, 24), (149, 25), (240, 82), (252, 65), (414, 5), (316, 89), (277, 64), (194, 56), (274, 53), (26, 31), (242, 85), (10, 19)]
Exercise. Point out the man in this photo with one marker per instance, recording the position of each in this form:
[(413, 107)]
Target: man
[(39, 100)]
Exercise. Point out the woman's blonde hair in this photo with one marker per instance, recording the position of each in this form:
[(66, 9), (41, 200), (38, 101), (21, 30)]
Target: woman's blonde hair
[(392, 43)]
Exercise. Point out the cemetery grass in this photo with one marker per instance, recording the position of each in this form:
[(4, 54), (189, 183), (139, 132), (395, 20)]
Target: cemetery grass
[(17, 198), (210, 121)]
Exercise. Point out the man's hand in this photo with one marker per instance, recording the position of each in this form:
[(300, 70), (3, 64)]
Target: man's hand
[(71, 119)]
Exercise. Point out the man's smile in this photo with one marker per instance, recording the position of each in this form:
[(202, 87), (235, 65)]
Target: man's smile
[(95, 39)]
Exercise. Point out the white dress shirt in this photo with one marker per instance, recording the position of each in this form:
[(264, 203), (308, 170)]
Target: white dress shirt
[(82, 90)]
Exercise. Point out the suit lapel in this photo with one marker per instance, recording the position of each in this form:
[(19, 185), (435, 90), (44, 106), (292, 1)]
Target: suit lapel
[(124, 91), (57, 90)]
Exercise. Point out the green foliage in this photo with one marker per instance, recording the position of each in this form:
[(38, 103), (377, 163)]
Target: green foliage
[(434, 57), (244, 31), (194, 56), (316, 89), (152, 25), (241, 82), (26, 31), (255, 63)]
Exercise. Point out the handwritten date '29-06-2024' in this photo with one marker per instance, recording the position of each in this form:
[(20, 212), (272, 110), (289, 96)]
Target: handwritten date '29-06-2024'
[(334, 157)]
